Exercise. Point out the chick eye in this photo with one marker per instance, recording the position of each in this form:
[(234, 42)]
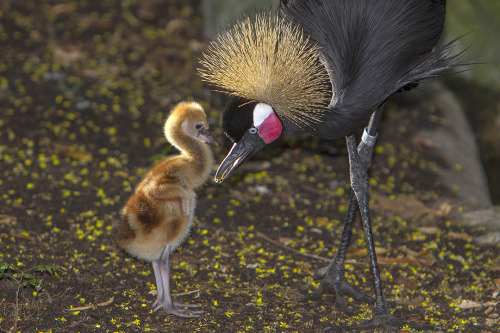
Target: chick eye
[(199, 126), (252, 130)]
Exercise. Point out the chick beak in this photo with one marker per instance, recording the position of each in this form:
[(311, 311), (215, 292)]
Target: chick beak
[(239, 153), (205, 136)]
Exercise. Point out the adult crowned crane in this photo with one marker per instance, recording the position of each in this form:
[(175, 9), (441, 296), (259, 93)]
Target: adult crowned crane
[(326, 68)]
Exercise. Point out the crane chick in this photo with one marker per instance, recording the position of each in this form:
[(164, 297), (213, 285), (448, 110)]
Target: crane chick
[(158, 216)]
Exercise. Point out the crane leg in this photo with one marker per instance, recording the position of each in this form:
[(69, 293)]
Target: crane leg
[(360, 160), (333, 274), (382, 316)]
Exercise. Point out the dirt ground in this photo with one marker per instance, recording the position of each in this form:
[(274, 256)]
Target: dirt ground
[(85, 87)]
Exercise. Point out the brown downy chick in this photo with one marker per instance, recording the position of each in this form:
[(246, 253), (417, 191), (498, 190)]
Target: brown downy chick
[(158, 216)]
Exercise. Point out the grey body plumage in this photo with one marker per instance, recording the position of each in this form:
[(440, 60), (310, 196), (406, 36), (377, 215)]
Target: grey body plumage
[(372, 49)]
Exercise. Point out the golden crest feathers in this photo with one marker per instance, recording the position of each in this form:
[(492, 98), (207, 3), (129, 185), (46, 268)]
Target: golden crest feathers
[(269, 60)]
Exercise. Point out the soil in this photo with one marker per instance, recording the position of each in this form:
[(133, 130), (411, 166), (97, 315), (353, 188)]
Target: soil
[(85, 87)]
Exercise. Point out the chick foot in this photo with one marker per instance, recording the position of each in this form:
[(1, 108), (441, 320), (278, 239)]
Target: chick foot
[(177, 309), (178, 305)]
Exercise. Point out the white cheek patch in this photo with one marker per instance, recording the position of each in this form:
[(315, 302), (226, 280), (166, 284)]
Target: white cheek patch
[(185, 126), (260, 113)]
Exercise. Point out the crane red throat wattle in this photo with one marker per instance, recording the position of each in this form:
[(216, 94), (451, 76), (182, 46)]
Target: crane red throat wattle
[(266, 121)]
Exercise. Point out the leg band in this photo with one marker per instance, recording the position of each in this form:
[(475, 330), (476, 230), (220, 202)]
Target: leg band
[(368, 140)]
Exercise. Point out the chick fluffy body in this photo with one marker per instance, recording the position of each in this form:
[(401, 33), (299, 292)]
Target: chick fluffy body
[(161, 210)]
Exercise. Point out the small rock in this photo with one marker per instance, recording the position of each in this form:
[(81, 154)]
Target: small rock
[(490, 322), (260, 189), (256, 166), (82, 105), (490, 238), (54, 76), (316, 231), (487, 217)]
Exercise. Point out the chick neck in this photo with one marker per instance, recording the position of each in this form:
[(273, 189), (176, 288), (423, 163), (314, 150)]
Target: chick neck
[(198, 156)]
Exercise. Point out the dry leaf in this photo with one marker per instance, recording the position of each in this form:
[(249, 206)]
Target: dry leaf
[(7, 219), (407, 207), (468, 304), (419, 142), (460, 235), (408, 251), (417, 301), (426, 258), (363, 252), (81, 308), (23, 235), (108, 302), (443, 210), (285, 240), (428, 230), (91, 306), (77, 153), (68, 55), (63, 9), (406, 260), (490, 322), (492, 304), (413, 258)]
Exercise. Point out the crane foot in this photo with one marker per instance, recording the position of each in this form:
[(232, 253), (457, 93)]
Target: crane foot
[(385, 322), (332, 283)]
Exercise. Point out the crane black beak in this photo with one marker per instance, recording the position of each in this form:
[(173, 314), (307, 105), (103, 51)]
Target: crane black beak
[(205, 136), (239, 153)]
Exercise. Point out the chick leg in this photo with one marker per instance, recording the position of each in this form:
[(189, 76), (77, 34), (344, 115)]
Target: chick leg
[(159, 287), (164, 301), (159, 284)]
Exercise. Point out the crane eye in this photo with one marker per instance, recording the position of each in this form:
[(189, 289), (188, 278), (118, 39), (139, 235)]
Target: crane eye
[(198, 126), (252, 130)]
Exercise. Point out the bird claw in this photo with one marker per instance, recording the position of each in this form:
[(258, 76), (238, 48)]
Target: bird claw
[(156, 305), (181, 305), (387, 322), (340, 288)]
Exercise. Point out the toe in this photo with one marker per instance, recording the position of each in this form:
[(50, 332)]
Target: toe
[(181, 305), (180, 310)]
